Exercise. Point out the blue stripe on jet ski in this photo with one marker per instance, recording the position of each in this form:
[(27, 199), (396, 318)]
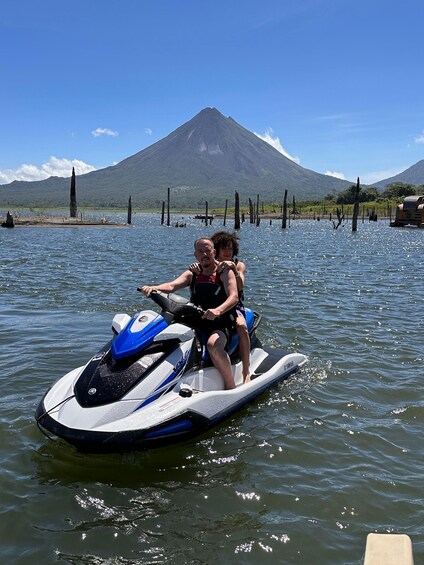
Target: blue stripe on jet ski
[(176, 427), (178, 370), (153, 397), (128, 343)]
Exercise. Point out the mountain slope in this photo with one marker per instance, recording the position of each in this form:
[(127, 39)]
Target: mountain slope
[(207, 158), (412, 175)]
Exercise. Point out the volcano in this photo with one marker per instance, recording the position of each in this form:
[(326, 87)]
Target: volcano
[(207, 158)]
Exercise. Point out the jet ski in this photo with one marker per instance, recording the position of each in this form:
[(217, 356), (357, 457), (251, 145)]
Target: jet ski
[(153, 383)]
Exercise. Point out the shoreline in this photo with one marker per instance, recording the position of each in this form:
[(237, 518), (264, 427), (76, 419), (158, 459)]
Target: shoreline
[(41, 221), (62, 222)]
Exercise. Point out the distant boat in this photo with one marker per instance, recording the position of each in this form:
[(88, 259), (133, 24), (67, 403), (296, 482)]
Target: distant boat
[(203, 217)]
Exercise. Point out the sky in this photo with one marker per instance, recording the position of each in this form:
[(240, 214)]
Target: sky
[(335, 85)]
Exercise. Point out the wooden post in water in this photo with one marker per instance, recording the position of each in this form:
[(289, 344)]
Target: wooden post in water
[(356, 207), (206, 213), (129, 211), (168, 221), (373, 216), (251, 212), (257, 210), (163, 213), (237, 212), (73, 202), (9, 223), (294, 207), (225, 211), (284, 222)]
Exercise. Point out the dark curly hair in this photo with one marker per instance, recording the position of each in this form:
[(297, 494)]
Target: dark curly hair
[(223, 239)]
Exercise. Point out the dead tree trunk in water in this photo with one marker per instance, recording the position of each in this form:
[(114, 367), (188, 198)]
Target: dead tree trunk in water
[(257, 210), (9, 223), (251, 212), (237, 212), (284, 224), (129, 211), (340, 218), (73, 203), (206, 213), (225, 211), (356, 207), (294, 211), (168, 220), (163, 213)]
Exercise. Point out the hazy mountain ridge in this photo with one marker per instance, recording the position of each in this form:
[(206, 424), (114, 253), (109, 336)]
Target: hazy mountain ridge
[(412, 175), (207, 158)]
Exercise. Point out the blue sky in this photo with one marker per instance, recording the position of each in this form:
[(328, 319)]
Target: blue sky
[(337, 85)]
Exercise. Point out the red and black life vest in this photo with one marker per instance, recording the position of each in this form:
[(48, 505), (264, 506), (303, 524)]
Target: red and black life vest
[(207, 291)]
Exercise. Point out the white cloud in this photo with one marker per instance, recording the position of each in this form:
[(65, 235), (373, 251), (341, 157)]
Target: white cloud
[(54, 167), (420, 139), (104, 131), (148, 131), (275, 142), (336, 175)]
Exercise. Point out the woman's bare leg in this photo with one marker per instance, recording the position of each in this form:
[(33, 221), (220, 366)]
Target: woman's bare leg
[(244, 343)]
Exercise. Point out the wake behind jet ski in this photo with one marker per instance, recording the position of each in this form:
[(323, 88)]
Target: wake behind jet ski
[(152, 384)]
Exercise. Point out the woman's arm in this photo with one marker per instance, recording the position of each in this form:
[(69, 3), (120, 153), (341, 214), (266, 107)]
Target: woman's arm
[(240, 275), (238, 270)]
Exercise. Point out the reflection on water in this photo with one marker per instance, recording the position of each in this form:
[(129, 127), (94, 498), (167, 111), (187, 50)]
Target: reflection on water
[(299, 476)]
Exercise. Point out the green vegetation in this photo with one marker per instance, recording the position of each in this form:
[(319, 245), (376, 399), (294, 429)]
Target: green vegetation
[(394, 191)]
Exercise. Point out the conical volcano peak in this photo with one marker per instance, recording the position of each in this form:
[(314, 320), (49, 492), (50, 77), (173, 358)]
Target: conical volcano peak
[(210, 111), (206, 132), (208, 117)]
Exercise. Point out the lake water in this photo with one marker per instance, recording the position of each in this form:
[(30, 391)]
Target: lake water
[(300, 476)]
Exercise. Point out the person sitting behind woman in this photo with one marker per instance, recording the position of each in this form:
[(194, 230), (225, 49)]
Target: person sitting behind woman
[(227, 248)]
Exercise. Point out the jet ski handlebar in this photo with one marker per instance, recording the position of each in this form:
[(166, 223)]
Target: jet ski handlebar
[(175, 304)]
